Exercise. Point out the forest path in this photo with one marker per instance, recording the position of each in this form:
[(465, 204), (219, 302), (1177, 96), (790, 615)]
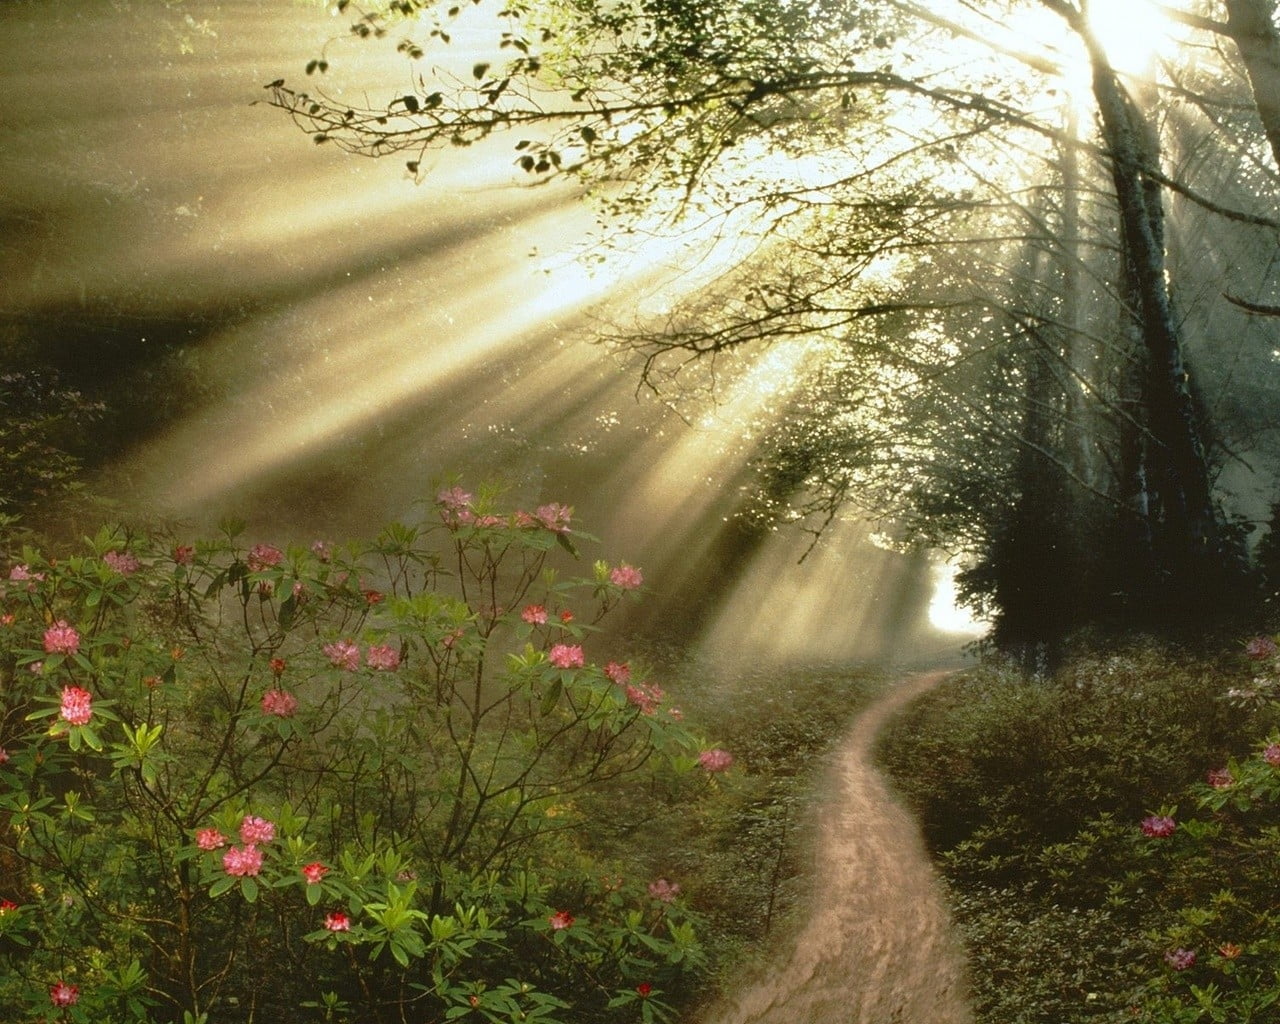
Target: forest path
[(878, 947)]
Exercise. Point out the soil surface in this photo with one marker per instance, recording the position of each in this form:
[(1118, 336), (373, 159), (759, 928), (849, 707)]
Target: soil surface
[(878, 947)]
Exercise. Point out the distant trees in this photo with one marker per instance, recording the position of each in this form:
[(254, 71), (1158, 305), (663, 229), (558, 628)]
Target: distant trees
[(1037, 284)]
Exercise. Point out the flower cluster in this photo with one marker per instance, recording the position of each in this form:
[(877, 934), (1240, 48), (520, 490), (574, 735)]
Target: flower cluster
[(61, 638), (628, 577), (645, 696), (716, 760), (1158, 826), (264, 556), (77, 705), (123, 562), (280, 703), (566, 656)]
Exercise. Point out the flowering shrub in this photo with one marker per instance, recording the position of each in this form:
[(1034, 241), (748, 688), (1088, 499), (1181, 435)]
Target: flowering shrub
[(1110, 836), (363, 764)]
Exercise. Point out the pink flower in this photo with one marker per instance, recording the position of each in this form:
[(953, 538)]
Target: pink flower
[(123, 562), (1158, 827), (566, 656), (242, 863), (61, 638), (77, 705), (1272, 754), (455, 499), (184, 554), (676, 714), (645, 697), (372, 597), (382, 657), (534, 614), (4, 756), (255, 830), (280, 703), (1220, 778), (322, 550), (627, 577), (21, 573), (1260, 648), (715, 760), (643, 990), (662, 890), (264, 556), (566, 616), (1180, 959), (560, 920), (554, 516), (210, 839), (62, 994), (314, 872), (337, 921), (278, 665), (6, 906), (618, 673), (343, 654)]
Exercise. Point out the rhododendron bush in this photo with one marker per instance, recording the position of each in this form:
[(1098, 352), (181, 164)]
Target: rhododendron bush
[(260, 781)]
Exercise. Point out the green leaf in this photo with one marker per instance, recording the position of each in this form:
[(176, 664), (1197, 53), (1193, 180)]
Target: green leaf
[(249, 889)]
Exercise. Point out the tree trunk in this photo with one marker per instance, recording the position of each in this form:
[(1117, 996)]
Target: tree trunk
[(1251, 25), (1190, 527)]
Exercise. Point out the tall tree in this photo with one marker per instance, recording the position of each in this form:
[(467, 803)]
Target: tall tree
[(1004, 368)]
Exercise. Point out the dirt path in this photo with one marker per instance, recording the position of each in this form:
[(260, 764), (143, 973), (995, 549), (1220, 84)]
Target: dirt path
[(878, 948)]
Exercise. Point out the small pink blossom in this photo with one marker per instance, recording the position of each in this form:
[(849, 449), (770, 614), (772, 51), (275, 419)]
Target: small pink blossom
[(523, 520), (123, 562), (337, 921), (210, 839), (1220, 778), (62, 994), (644, 989), (264, 556), (242, 863), (566, 616), (618, 673), (644, 696), (382, 657), (455, 499), (1158, 826), (1272, 754), (280, 703), (184, 554), (6, 906), (77, 705), (322, 550), (566, 656), (22, 574), (676, 714), (663, 891), (372, 597), (715, 760), (1180, 959), (314, 872), (554, 516), (1260, 648), (4, 756), (628, 577), (534, 614), (36, 667), (278, 665), (560, 920), (61, 638), (7, 619), (490, 521), (343, 654), (299, 591), (254, 830)]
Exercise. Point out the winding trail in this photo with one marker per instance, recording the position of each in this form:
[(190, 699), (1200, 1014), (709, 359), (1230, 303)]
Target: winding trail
[(878, 947)]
